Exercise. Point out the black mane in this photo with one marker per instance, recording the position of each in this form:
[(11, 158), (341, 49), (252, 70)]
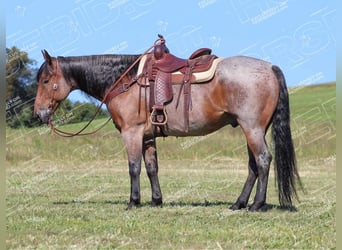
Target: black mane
[(94, 74)]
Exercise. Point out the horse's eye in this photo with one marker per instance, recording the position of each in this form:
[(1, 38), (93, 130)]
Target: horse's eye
[(46, 81)]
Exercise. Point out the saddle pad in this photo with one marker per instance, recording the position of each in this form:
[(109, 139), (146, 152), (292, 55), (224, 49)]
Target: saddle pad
[(142, 64), (196, 77), (203, 76)]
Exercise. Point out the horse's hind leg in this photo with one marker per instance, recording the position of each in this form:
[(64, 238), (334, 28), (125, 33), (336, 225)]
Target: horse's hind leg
[(256, 142), (258, 169), (151, 163), (242, 201)]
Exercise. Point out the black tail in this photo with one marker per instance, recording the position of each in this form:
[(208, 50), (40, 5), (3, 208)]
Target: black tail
[(285, 157)]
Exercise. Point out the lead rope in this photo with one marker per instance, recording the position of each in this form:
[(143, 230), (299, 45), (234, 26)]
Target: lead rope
[(79, 133)]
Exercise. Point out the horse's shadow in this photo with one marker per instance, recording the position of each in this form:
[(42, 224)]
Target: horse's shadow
[(72, 202), (205, 203)]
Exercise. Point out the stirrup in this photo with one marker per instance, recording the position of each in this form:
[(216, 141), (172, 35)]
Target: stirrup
[(154, 115)]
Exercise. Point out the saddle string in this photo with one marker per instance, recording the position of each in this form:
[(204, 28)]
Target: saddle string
[(79, 133)]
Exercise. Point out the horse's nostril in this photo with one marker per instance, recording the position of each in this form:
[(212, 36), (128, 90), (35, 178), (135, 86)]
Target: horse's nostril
[(37, 117)]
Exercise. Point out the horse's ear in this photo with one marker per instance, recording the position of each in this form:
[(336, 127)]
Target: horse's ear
[(47, 57)]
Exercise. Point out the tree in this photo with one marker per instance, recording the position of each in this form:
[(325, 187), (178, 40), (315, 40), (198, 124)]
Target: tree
[(19, 88), (18, 73), (85, 111)]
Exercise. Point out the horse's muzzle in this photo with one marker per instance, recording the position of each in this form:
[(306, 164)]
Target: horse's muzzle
[(43, 115)]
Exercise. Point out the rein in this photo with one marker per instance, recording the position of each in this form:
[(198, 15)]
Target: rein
[(113, 91)]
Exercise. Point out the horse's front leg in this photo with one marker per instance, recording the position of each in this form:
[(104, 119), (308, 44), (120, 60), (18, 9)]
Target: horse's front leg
[(133, 142), (151, 163)]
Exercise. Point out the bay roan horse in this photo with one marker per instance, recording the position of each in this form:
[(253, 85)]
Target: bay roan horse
[(244, 91)]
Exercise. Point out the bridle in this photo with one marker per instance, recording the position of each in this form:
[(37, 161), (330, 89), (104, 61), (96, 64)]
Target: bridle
[(54, 88), (113, 92)]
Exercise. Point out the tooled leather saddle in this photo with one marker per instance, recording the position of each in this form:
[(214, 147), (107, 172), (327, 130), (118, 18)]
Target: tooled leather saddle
[(159, 69)]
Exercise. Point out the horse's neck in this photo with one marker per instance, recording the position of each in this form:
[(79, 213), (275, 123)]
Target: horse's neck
[(95, 74)]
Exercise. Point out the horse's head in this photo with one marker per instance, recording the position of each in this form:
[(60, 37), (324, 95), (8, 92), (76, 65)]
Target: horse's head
[(52, 88)]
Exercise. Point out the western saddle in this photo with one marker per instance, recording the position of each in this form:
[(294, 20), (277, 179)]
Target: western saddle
[(162, 69)]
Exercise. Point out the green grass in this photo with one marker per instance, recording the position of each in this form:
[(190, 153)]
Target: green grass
[(67, 193), (314, 120)]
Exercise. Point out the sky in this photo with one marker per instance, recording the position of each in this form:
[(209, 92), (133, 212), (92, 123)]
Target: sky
[(297, 35)]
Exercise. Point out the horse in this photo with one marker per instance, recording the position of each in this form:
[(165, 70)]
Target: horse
[(244, 91)]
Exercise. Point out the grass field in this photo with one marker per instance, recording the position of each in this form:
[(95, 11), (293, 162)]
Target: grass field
[(72, 193)]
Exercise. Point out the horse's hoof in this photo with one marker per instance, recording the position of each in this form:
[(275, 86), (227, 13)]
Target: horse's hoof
[(255, 207), (157, 203), (237, 206), (133, 204)]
